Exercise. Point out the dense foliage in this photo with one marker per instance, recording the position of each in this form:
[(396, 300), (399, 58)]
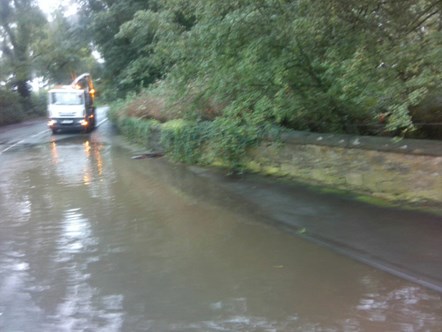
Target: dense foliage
[(13, 108), (125, 70), (222, 142), (347, 66)]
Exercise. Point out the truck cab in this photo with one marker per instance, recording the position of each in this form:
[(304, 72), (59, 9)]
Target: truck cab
[(71, 107)]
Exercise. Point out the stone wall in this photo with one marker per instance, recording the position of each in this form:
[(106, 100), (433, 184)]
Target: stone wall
[(408, 170)]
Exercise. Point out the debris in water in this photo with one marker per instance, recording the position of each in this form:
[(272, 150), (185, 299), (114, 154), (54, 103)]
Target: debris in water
[(148, 155), (302, 231)]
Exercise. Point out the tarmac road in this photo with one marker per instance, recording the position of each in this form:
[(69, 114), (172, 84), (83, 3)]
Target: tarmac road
[(34, 132)]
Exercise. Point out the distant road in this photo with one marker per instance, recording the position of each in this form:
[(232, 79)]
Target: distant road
[(34, 131)]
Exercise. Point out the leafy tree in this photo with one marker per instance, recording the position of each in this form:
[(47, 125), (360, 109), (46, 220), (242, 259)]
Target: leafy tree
[(101, 20), (354, 66), (396, 64), (21, 22), (155, 32), (335, 65), (63, 52)]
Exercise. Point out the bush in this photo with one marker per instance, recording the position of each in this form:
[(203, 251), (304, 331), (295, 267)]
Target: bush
[(222, 141), (11, 108), (184, 141), (38, 105), (115, 111), (191, 138), (14, 108), (155, 103)]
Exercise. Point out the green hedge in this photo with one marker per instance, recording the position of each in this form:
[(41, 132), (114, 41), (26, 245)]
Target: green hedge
[(222, 141), (14, 109), (11, 108)]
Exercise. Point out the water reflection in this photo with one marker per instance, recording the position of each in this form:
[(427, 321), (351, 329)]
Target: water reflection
[(76, 232), (376, 307), (74, 166), (54, 152)]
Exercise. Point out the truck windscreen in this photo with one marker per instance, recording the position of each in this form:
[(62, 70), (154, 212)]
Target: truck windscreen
[(67, 98)]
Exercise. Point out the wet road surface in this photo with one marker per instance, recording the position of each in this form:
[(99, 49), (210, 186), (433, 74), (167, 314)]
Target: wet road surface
[(92, 240), (403, 241)]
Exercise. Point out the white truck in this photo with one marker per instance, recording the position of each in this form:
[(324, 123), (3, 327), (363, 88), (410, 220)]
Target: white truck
[(72, 106)]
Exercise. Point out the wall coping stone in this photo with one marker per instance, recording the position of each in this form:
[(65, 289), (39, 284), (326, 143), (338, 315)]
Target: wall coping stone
[(387, 144)]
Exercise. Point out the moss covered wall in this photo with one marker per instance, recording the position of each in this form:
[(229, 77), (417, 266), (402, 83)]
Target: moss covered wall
[(407, 169), (402, 170)]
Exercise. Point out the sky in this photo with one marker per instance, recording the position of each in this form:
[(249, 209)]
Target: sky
[(48, 6)]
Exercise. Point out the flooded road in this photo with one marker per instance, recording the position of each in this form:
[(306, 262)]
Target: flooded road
[(92, 240)]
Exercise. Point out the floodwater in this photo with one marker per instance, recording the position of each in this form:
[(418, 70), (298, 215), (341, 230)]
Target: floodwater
[(91, 240)]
